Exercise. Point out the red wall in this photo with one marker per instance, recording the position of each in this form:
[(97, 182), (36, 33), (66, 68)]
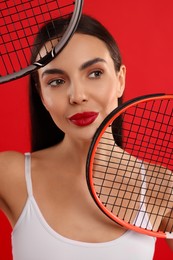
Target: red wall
[(143, 30)]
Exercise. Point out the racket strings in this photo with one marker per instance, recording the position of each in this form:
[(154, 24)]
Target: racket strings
[(108, 178), (108, 160), (115, 163), (131, 196), (153, 134), (20, 22), (136, 178), (16, 34)]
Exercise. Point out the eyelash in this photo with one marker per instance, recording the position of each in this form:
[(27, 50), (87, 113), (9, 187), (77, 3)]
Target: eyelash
[(97, 74), (58, 82)]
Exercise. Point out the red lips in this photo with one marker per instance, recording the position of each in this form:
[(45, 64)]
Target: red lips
[(83, 119)]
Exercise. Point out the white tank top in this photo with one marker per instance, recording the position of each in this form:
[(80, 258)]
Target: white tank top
[(34, 239)]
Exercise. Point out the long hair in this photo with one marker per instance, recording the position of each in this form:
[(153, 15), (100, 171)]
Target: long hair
[(44, 132)]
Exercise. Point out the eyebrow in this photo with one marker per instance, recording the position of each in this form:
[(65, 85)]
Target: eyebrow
[(52, 71), (91, 62), (82, 67)]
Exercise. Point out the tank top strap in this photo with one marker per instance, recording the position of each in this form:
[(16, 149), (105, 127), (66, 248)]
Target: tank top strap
[(28, 174), (142, 218)]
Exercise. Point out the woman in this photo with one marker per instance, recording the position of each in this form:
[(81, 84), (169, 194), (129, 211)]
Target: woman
[(44, 194)]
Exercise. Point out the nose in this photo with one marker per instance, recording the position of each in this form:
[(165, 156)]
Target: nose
[(78, 94)]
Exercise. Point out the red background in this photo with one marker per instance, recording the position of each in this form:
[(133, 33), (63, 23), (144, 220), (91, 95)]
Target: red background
[(143, 30)]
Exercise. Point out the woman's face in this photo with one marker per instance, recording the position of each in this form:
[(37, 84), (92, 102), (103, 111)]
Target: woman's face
[(80, 87)]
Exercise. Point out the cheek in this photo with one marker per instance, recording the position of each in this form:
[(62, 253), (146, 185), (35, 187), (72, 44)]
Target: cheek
[(112, 102), (48, 105), (111, 95), (56, 111), (107, 102), (53, 105), (50, 99)]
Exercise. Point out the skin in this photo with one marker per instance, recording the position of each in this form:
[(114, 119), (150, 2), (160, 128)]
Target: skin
[(82, 85), (86, 77), (78, 80)]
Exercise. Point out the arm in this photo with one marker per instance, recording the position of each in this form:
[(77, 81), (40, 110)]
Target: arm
[(12, 184)]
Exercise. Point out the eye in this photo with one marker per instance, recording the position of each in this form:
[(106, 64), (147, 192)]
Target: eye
[(96, 74), (56, 82)]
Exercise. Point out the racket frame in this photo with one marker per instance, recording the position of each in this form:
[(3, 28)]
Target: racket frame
[(54, 52), (90, 159)]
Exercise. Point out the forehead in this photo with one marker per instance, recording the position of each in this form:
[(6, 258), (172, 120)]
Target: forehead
[(78, 43)]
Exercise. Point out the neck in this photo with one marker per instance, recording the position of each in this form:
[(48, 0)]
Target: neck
[(76, 150)]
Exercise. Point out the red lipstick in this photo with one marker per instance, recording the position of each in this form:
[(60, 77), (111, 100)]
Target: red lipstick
[(83, 119)]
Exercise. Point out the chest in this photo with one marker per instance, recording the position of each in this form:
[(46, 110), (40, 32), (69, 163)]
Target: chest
[(68, 208)]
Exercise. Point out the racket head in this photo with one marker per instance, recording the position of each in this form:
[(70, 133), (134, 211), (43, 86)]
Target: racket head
[(20, 23), (122, 179)]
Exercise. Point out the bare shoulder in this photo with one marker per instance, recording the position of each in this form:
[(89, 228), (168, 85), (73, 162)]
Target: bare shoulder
[(11, 167), (10, 161), (160, 175), (12, 179)]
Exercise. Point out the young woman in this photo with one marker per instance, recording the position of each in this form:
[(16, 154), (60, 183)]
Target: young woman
[(44, 193)]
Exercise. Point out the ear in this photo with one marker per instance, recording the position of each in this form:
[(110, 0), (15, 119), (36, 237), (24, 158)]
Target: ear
[(122, 80)]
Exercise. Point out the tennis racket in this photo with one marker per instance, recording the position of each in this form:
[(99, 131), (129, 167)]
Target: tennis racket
[(130, 164), (20, 21)]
